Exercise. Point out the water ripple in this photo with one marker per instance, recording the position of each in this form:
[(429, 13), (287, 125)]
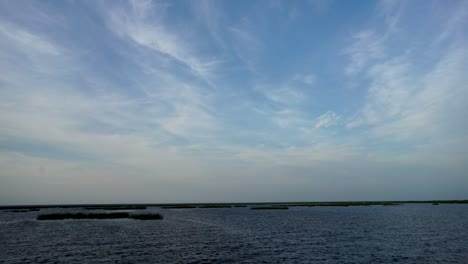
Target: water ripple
[(401, 234)]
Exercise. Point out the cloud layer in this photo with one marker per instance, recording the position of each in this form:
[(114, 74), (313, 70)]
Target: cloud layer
[(155, 101)]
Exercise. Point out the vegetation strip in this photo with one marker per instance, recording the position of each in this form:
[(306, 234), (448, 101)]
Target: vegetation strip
[(348, 204), (63, 216), (179, 207), (215, 206), (23, 208), (270, 208), (130, 207)]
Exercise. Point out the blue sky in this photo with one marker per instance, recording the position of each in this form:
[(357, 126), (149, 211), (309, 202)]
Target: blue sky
[(217, 101)]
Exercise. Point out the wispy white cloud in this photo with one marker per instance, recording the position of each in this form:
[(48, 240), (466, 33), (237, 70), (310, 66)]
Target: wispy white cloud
[(391, 11), (246, 45), (143, 23), (286, 99), (403, 105), (105, 123), (327, 120), (321, 5), (410, 102), (389, 90), (288, 118), (308, 79), (366, 47), (28, 40), (437, 105), (455, 24), (283, 95), (209, 12)]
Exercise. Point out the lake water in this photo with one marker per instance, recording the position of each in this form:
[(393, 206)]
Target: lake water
[(410, 233)]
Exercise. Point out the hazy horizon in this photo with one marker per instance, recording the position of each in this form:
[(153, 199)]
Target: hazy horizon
[(232, 101)]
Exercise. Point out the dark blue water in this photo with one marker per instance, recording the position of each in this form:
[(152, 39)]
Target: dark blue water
[(412, 233)]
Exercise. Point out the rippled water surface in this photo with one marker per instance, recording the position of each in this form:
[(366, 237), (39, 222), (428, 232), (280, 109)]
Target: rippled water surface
[(411, 233)]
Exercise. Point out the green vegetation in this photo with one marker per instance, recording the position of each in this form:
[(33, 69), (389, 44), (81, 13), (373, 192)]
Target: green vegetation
[(215, 206), (344, 204), (62, 216), (118, 215), (269, 208), (123, 207), (179, 207), (24, 210), (449, 201), (28, 208)]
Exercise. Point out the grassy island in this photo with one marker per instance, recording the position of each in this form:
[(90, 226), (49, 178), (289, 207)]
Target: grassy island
[(269, 208), (146, 216), (28, 208), (215, 206), (178, 206), (124, 207), (351, 204), (119, 215), (24, 210)]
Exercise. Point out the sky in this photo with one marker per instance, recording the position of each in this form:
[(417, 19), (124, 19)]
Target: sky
[(232, 101)]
